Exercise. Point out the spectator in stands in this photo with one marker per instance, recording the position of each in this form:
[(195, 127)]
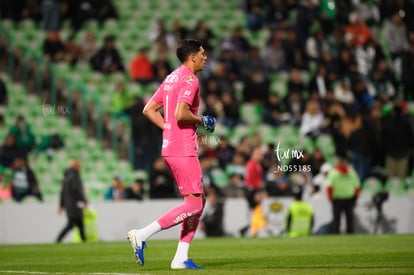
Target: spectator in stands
[(272, 111), (363, 100), (320, 82), (252, 62), (231, 66), (295, 106), (25, 138), (88, 46), (408, 72), (222, 81), (213, 106), (255, 17), (225, 152), (72, 200), (316, 44), (347, 65), (116, 191), (161, 38), (237, 165), (305, 18), (206, 163), (395, 34), (316, 161), (9, 151), (344, 94), (312, 120), (104, 10), (300, 217), (256, 87), (213, 214), (135, 191), (72, 51), (358, 30), (141, 67), (107, 59), (367, 56), (24, 182), (362, 143), (179, 30), (236, 187), (296, 84), (53, 47), (121, 101), (274, 56), (319, 180), (204, 34), (295, 53), (161, 66), (231, 114), (277, 13), (343, 186), (82, 11), (161, 182), (3, 93), (237, 42), (51, 15), (397, 137), (49, 144)]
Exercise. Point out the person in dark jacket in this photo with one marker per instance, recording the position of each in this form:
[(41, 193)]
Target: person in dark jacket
[(397, 136), (107, 59), (24, 182), (72, 200)]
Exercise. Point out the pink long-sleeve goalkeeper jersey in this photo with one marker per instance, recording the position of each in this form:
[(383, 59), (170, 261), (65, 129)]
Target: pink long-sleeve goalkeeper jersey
[(181, 85)]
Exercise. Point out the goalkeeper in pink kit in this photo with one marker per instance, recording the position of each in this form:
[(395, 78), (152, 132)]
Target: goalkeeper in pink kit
[(179, 97)]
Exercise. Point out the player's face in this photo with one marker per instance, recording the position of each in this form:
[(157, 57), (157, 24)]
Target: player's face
[(200, 59)]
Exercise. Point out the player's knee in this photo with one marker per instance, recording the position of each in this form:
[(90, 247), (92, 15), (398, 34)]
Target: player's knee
[(196, 203)]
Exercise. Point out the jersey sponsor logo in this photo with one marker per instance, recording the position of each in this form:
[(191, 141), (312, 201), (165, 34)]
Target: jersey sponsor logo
[(164, 143), (189, 79), (167, 126)]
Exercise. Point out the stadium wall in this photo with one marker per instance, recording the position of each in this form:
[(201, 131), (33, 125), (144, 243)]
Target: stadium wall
[(33, 222)]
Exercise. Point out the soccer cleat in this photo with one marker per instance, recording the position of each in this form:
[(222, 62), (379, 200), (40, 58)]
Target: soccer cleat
[(187, 264), (138, 246)]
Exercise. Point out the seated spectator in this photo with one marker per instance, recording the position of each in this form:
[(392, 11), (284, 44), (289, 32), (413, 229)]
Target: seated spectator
[(161, 38), (312, 120), (230, 110), (225, 152), (104, 10), (394, 31), (255, 18), (116, 191), (72, 51), (25, 138), (359, 31), (135, 191), (237, 165), (316, 161), (272, 112), (107, 59), (320, 83), (280, 187), (295, 107), (161, 181), (141, 67), (121, 101), (256, 87), (9, 151), (235, 188), (88, 46), (343, 93), (24, 182), (53, 47), (204, 34), (213, 214), (161, 66)]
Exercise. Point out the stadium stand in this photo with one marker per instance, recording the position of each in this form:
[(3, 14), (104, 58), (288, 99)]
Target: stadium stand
[(104, 141)]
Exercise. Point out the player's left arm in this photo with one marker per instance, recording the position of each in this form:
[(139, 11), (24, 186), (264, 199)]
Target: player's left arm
[(183, 114), (151, 111)]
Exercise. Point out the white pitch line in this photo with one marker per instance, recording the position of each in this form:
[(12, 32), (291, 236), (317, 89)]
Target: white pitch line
[(22, 272)]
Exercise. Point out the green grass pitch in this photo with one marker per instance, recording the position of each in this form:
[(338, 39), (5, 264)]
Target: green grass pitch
[(359, 254)]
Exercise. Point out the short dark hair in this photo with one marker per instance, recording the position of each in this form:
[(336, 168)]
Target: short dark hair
[(186, 48)]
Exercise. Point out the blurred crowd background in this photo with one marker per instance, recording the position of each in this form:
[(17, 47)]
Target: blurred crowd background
[(325, 78)]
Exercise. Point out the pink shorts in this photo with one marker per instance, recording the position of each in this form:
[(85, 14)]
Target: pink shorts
[(187, 174)]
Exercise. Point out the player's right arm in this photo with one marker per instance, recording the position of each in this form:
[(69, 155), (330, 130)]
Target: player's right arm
[(152, 112)]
